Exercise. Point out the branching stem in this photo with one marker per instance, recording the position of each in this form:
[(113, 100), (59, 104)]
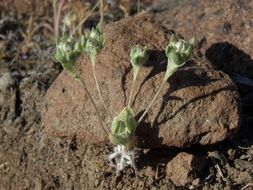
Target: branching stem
[(93, 63), (151, 103)]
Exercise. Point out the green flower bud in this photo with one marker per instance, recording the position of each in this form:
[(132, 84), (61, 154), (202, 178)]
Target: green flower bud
[(123, 128), (139, 56), (177, 52), (95, 41), (80, 46)]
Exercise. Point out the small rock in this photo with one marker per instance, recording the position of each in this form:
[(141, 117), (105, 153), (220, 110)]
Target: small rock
[(150, 172), (195, 182), (183, 168), (231, 154), (243, 165), (6, 80)]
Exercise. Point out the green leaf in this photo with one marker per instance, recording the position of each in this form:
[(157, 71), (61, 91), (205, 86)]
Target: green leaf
[(118, 140), (69, 67)]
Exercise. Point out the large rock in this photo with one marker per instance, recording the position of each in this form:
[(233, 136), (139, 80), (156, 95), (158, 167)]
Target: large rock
[(198, 104)]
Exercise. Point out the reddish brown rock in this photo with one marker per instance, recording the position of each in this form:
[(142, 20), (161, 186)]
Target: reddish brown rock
[(223, 30), (198, 104), (184, 167)]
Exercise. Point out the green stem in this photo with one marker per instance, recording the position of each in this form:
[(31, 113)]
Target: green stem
[(92, 101), (93, 62), (151, 103), (131, 93)]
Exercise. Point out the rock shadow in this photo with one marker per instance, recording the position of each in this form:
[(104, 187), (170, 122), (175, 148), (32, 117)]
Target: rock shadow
[(239, 66), (230, 59), (181, 80), (188, 76), (148, 136)]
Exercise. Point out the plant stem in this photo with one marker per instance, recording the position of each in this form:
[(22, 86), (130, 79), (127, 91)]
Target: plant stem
[(93, 63), (92, 101), (131, 93), (151, 103)]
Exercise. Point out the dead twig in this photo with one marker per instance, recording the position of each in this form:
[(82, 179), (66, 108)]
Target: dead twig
[(244, 148), (57, 17), (246, 186), (85, 18), (216, 165), (139, 6)]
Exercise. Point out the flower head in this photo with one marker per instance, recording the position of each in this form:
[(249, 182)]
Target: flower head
[(178, 52), (139, 56), (67, 52), (94, 41)]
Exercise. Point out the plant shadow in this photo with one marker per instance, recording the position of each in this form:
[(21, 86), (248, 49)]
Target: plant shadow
[(230, 59), (158, 62), (123, 82), (190, 75)]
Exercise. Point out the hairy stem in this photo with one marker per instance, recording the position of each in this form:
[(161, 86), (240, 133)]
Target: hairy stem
[(151, 103), (131, 93), (93, 61), (92, 101)]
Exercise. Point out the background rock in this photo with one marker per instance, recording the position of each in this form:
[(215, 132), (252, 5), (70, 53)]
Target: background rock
[(199, 104), (223, 29)]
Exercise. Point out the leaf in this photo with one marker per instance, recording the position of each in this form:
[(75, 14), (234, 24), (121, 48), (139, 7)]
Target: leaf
[(69, 67), (118, 140)]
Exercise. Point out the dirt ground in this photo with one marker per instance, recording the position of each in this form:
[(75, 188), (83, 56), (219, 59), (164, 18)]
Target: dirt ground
[(30, 159)]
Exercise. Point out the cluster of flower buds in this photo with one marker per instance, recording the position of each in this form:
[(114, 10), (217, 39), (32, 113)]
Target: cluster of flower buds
[(68, 50), (123, 128), (139, 56), (177, 52), (94, 42)]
